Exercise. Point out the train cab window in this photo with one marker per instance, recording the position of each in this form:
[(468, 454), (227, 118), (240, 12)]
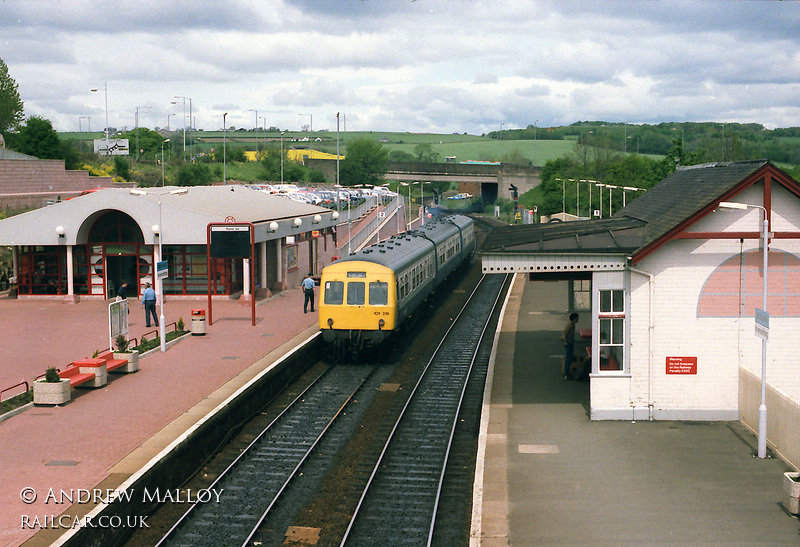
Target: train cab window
[(334, 292), (355, 293), (378, 293)]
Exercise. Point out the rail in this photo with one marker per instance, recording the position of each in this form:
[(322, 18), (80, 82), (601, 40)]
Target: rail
[(260, 474), (22, 383), (400, 500)]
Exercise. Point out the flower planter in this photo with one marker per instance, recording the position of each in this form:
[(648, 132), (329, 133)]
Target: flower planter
[(791, 492), (132, 357), (51, 393)]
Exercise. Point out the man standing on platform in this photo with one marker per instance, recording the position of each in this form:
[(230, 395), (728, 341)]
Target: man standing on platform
[(149, 303), (308, 290), (568, 337)]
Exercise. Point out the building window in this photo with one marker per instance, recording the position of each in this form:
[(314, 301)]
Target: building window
[(611, 341), (582, 294)]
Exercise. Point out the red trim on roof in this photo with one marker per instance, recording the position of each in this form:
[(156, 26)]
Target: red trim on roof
[(767, 174)]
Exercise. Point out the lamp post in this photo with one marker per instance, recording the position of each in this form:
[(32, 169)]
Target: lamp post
[(105, 90), (264, 128), (626, 189), (311, 135), (162, 161), (184, 121), (158, 231), (600, 199), (762, 409), (168, 117), (610, 187), (224, 151), (281, 157), (137, 128)]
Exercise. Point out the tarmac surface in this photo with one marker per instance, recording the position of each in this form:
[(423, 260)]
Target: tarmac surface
[(547, 474)]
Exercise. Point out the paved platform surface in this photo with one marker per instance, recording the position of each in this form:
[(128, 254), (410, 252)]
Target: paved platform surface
[(552, 476), (104, 435)]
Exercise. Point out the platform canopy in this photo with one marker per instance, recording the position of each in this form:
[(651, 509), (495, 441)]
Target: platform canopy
[(182, 213)]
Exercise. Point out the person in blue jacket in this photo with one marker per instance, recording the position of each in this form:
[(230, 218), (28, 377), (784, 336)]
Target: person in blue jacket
[(149, 303), (308, 290)]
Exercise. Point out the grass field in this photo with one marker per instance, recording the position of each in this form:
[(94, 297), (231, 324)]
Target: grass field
[(463, 147)]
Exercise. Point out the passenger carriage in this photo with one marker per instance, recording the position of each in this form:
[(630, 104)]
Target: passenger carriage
[(369, 294)]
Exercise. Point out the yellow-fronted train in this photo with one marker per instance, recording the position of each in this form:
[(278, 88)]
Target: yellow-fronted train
[(367, 295)]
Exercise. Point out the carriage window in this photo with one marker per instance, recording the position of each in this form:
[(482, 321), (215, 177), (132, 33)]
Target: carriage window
[(334, 292), (355, 293), (378, 293)]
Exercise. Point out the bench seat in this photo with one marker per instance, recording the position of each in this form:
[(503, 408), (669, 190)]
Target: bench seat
[(111, 363), (75, 376)]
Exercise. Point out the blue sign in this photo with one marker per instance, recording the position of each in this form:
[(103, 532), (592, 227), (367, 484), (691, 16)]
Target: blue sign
[(161, 269)]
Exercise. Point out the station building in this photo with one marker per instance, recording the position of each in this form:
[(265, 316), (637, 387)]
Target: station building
[(87, 246), (669, 288)]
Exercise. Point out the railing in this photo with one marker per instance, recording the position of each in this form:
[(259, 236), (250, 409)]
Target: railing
[(368, 231), (22, 383)]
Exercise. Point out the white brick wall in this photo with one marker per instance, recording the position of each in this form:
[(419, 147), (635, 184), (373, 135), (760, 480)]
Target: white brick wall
[(680, 269)]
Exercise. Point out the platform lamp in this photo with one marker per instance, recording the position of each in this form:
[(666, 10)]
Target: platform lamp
[(159, 232), (762, 409)]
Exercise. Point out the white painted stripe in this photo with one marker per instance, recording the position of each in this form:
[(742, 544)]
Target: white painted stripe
[(538, 449)]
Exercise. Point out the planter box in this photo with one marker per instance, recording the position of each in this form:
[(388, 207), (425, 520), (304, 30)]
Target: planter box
[(50, 393), (791, 492), (133, 360)]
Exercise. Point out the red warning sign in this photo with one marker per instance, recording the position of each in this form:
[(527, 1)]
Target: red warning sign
[(681, 365)]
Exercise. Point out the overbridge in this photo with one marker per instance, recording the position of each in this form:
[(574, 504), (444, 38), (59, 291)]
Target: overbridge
[(489, 180)]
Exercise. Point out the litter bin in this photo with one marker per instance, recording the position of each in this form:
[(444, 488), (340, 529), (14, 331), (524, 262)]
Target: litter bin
[(198, 322)]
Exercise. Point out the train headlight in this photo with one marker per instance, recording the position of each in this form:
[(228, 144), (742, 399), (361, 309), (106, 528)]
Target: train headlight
[(381, 323), (330, 322)]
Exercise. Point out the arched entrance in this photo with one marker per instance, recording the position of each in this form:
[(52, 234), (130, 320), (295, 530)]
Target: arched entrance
[(117, 253)]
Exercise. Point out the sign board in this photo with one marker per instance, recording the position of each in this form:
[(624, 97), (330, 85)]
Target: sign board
[(681, 365), (382, 214), (230, 242), (762, 324), (117, 320), (116, 147), (161, 269)]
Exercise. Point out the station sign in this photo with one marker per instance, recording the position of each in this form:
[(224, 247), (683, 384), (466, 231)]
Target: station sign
[(162, 269), (762, 324)]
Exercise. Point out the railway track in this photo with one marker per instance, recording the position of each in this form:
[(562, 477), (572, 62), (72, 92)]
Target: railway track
[(253, 483), (399, 504)]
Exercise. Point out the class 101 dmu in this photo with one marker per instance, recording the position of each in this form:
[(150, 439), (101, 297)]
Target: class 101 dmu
[(367, 295)]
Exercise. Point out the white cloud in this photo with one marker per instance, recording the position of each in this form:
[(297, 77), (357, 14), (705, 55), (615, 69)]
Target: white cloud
[(426, 65)]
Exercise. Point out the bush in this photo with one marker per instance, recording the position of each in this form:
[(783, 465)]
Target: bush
[(121, 343), (51, 376), (180, 324)]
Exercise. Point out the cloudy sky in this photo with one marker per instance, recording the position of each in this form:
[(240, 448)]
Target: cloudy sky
[(404, 65)]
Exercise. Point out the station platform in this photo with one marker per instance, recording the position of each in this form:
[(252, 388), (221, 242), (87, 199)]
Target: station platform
[(105, 435), (548, 475)]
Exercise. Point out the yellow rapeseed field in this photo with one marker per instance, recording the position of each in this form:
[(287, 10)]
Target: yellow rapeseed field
[(298, 155)]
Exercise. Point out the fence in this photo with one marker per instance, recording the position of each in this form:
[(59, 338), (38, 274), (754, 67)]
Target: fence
[(783, 433)]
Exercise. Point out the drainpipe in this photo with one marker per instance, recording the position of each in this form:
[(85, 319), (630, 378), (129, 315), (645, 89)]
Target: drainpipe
[(650, 327)]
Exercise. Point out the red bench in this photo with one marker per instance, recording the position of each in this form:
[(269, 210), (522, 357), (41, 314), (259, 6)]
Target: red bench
[(610, 365), (75, 376), (111, 363)]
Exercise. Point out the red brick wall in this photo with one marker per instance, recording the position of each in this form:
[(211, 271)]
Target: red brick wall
[(32, 183)]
